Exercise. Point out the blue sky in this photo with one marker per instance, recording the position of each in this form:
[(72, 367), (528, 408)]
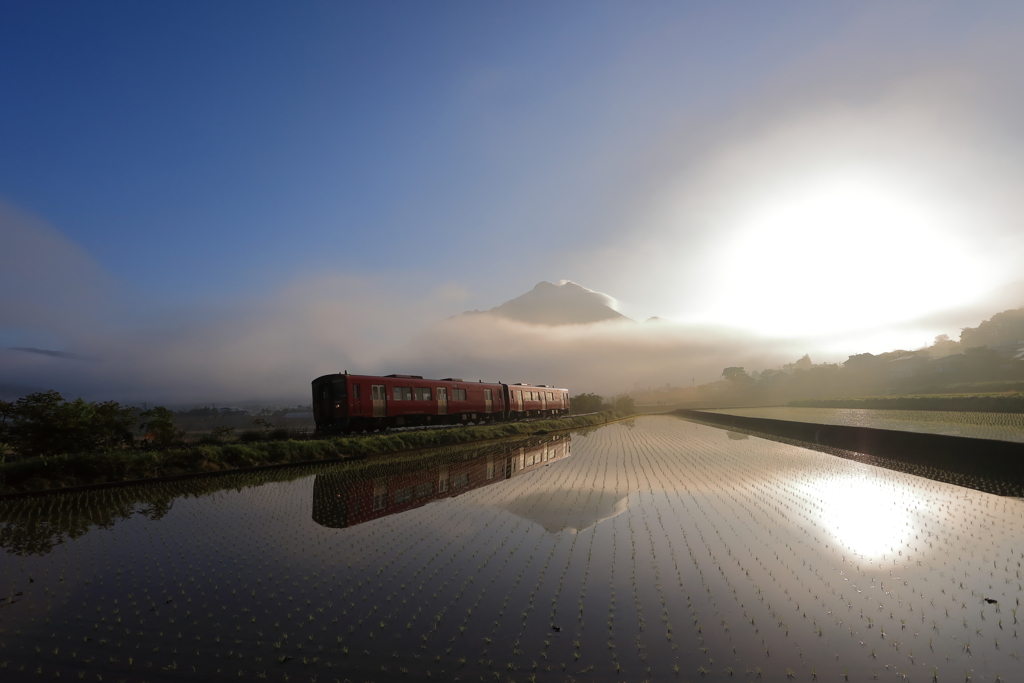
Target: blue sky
[(242, 143), (198, 159)]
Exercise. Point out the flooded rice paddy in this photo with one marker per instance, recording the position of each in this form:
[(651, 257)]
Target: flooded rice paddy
[(978, 425), (657, 549)]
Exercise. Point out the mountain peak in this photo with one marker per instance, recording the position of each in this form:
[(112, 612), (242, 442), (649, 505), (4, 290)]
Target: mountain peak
[(561, 303)]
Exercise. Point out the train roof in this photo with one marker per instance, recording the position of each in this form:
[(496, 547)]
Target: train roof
[(427, 379)]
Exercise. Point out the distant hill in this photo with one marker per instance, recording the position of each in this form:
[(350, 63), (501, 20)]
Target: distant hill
[(564, 303)]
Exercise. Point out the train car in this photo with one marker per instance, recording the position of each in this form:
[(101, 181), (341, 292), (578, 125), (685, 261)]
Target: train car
[(347, 403), (527, 400), (342, 500)]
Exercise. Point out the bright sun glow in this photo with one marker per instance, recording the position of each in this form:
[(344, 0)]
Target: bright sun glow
[(843, 256), (863, 515)]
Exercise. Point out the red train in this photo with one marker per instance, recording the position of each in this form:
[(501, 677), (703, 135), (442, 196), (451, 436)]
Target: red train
[(348, 403)]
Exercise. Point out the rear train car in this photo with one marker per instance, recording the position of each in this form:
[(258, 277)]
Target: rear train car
[(528, 400)]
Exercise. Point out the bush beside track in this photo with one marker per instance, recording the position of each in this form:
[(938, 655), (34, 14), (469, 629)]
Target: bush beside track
[(83, 469)]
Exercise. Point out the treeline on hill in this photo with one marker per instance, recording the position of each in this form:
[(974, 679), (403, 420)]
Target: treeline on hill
[(988, 359)]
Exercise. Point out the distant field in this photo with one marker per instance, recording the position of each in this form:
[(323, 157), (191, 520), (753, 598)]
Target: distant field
[(1001, 426), (199, 425), (1006, 402)]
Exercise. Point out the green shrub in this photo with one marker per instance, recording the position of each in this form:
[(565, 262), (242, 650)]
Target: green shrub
[(159, 426), (43, 424), (585, 403)]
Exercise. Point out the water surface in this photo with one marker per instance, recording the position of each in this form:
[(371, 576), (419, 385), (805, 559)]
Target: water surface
[(639, 551)]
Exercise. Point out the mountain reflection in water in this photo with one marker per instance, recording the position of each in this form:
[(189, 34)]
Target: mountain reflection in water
[(344, 499), (558, 510)]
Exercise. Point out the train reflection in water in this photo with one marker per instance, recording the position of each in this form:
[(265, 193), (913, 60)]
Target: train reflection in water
[(345, 499)]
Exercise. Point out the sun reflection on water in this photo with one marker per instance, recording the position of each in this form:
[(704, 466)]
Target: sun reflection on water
[(864, 515)]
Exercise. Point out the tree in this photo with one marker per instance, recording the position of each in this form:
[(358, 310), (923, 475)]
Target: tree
[(586, 403), (734, 374), (6, 419), (943, 346), (159, 425), (44, 423), (1003, 328), (624, 404)]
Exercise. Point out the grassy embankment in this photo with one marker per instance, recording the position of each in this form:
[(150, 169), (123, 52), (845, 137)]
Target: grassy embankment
[(1010, 402), (78, 469)]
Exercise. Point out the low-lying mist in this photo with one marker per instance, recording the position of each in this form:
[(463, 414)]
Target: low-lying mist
[(66, 324), (270, 350)]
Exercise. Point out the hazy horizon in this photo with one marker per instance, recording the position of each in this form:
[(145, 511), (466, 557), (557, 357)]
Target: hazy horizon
[(217, 204)]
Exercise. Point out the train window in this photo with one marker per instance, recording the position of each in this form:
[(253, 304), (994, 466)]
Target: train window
[(490, 467), (487, 394), (424, 489), (551, 396), (403, 495), (421, 393), (460, 480), (458, 394), (402, 393), (339, 388)]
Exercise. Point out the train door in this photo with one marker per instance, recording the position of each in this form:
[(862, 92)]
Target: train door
[(380, 400), (488, 401), (442, 400), (519, 400), (357, 400), (543, 400)]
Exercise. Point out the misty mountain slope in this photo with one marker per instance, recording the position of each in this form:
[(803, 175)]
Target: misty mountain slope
[(564, 303)]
